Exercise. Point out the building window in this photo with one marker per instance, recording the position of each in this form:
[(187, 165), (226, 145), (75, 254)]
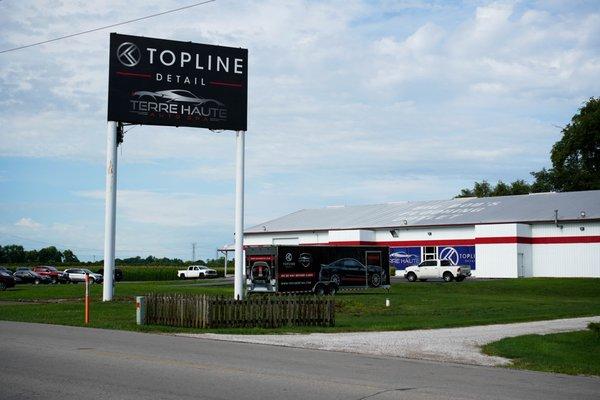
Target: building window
[(429, 253)]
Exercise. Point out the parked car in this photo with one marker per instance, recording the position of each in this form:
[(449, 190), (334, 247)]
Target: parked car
[(118, 275), (76, 275), (23, 269), (49, 271), (6, 269), (197, 272), (351, 272), (436, 269), (27, 276), (6, 280)]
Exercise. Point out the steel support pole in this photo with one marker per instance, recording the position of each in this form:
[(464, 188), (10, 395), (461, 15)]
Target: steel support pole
[(110, 211), (239, 217)]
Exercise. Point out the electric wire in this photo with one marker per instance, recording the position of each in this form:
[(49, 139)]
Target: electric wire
[(106, 27)]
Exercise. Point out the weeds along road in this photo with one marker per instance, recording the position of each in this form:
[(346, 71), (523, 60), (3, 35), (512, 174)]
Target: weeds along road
[(59, 362)]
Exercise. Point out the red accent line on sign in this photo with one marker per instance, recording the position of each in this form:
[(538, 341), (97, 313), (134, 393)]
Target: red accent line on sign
[(239, 85), (147, 76)]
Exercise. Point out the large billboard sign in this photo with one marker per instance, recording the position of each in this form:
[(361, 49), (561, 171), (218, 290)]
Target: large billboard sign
[(458, 255), (167, 82), (402, 257)]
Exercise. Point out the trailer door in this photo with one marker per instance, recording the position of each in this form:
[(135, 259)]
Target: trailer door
[(374, 259)]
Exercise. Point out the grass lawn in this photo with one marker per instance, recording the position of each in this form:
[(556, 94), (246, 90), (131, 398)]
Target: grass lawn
[(575, 353), (413, 306)]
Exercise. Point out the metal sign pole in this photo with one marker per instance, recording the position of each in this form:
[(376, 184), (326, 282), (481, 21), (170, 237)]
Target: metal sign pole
[(87, 298), (239, 217), (110, 211)]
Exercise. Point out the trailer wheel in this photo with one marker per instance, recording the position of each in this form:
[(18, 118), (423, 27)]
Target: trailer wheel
[(320, 290), (335, 278), (332, 289), (375, 280)]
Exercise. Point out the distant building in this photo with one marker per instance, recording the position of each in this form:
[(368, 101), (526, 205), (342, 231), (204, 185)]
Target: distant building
[(544, 234)]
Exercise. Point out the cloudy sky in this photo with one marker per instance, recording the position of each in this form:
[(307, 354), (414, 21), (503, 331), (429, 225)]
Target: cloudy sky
[(350, 102)]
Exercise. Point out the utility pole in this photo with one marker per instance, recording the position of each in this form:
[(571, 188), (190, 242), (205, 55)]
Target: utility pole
[(194, 251)]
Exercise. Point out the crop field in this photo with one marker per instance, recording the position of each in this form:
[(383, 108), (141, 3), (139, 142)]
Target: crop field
[(412, 306)]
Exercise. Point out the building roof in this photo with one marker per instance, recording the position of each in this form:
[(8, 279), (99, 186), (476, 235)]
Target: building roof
[(538, 207)]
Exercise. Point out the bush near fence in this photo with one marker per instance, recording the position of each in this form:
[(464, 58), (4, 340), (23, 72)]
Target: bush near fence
[(202, 311)]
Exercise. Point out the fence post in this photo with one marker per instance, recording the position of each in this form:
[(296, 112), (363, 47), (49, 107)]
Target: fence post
[(140, 310)]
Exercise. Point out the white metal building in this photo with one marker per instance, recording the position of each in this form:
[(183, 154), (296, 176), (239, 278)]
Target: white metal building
[(545, 234)]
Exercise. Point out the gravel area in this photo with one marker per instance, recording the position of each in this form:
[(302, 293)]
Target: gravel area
[(460, 345)]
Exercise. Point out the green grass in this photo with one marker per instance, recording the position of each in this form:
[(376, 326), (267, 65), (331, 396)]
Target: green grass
[(574, 353), (413, 306)]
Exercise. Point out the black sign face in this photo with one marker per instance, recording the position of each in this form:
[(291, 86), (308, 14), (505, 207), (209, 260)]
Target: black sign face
[(166, 82)]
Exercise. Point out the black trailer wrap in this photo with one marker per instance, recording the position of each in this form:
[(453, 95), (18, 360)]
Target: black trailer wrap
[(295, 269)]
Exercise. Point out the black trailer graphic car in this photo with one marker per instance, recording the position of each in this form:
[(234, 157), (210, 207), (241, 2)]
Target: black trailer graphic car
[(317, 269)]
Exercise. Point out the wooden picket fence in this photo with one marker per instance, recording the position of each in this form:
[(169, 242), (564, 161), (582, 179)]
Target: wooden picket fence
[(202, 311)]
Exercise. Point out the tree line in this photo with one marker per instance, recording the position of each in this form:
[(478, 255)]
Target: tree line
[(575, 161), (16, 254)]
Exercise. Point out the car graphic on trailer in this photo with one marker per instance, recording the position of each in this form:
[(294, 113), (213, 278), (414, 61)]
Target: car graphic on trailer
[(176, 95), (350, 271)]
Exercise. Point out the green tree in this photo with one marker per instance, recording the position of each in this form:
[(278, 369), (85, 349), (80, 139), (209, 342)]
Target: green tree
[(482, 189), (501, 189), (69, 257), (13, 254), (576, 156), (575, 161), (49, 255)]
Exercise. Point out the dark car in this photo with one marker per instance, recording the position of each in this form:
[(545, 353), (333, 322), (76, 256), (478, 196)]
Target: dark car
[(27, 276), (118, 275), (6, 280), (351, 272)]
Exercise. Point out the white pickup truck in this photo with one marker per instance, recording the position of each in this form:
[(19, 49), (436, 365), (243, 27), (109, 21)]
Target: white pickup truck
[(197, 272), (436, 269)]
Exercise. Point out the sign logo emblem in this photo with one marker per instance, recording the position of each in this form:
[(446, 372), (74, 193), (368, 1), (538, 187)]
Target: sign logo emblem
[(304, 259), (129, 54), (288, 257), (449, 253)]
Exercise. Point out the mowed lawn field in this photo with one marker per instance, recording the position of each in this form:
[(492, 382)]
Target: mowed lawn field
[(575, 353), (413, 306)]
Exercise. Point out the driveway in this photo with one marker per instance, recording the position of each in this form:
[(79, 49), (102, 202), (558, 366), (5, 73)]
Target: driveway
[(460, 345)]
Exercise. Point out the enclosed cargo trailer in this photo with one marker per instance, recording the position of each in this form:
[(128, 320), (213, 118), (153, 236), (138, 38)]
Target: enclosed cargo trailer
[(316, 269)]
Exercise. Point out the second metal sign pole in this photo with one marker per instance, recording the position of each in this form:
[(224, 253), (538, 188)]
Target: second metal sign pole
[(239, 217), (110, 212)]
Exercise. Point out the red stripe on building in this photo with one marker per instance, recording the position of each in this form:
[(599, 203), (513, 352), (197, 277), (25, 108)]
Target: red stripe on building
[(468, 242)]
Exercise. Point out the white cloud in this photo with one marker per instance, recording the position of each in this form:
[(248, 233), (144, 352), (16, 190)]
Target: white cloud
[(28, 223)]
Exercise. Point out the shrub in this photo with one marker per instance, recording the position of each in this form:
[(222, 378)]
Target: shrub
[(595, 327)]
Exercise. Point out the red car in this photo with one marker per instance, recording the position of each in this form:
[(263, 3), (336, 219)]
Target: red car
[(49, 271)]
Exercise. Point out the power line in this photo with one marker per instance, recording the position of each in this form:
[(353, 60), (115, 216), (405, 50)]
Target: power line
[(107, 26)]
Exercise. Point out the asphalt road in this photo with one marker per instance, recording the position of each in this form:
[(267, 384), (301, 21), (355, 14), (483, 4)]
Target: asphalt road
[(57, 362)]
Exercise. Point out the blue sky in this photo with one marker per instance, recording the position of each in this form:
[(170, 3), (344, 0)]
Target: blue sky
[(350, 102)]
